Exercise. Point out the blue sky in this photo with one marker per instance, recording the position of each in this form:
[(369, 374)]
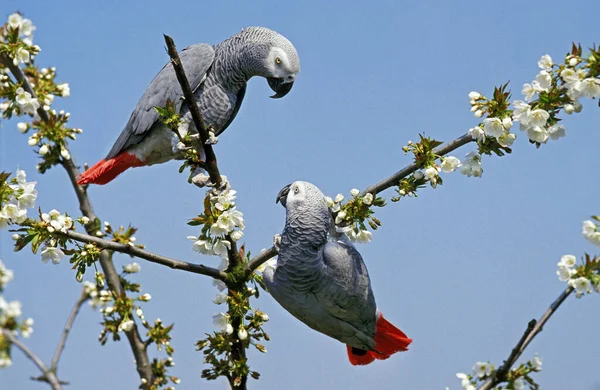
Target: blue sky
[(461, 269)]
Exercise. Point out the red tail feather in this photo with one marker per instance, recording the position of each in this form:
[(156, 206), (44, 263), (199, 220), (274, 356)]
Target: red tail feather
[(104, 171), (388, 341)]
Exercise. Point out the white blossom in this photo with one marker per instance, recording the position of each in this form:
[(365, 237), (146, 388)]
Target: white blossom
[(125, 326), (482, 369), (567, 261), (227, 221), (477, 133), (339, 198), (368, 199), (242, 334), (590, 87), (364, 237), (15, 20), (225, 200), (536, 363), (27, 29), (591, 233), (556, 131), (6, 275), (26, 102), (538, 134), (449, 164), (236, 235), (22, 127), (545, 63), (473, 95), (201, 246), (271, 263), (340, 217), (64, 89), (354, 192), (65, 154), (519, 384), (221, 322), (52, 253), (564, 273), (478, 113), (220, 247), (145, 297), (465, 382), (528, 91), (538, 117), (44, 149), (132, 268), (418, 175), (471, 165), (493, 127), (543, 81), (581, 285), (507, 139), (21, 56), (220, 298)]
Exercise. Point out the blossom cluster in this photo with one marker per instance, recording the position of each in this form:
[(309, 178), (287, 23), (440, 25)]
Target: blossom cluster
[(558, 86), (50, 135), (221, 220), (16, 196), (19, 30), (350, 217), (516, 379), (10, 313)]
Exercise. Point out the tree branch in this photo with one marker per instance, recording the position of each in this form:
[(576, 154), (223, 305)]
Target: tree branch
[(401, 174), (533, 328), (142, 362), (63, 340), (142, 254), (47, 375), (190, 101), (238, 350)]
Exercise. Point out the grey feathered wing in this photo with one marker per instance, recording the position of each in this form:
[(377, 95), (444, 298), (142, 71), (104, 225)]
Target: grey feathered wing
[(196, 60), (340, 305)]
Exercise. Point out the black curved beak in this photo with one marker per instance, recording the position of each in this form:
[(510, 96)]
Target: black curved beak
[(280, 87), (282, 195)]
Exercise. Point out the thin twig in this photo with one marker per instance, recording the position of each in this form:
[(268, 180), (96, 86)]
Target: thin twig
[(401, 174), (47, 375), (140, 354), (534, 327), (142, 254), (63, 340), (259, 259)]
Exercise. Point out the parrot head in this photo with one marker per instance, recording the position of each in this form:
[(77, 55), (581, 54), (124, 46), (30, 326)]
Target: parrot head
[(282, 66), (302, 195)]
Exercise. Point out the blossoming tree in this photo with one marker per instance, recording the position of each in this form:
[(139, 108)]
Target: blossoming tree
[(28, 92)]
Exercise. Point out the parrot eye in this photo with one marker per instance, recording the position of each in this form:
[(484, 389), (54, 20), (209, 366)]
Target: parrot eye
[(296, 190), (277, 60)]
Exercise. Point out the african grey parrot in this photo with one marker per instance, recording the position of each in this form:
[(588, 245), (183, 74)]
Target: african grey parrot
[(324, 283), (218, 75)]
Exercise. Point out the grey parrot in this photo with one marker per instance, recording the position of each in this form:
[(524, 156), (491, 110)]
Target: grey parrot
[(322, 280), (218, 76)]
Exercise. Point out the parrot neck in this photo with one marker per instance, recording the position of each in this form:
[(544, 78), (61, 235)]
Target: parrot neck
[(307, 229), (238, 62)]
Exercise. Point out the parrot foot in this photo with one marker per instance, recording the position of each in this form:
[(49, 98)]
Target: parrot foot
[(212, 139), (201, 179), (277, 241)]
